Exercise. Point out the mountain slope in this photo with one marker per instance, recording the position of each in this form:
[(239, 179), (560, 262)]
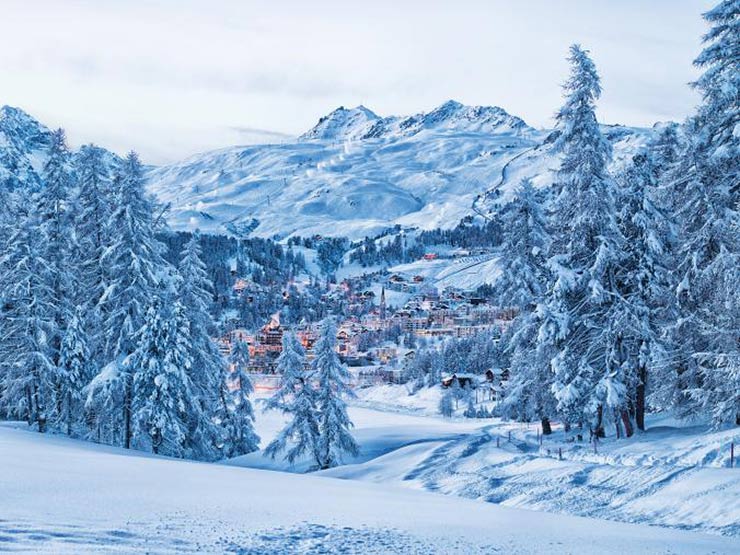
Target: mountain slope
[(354, 174), (357, 174), (24, 144)]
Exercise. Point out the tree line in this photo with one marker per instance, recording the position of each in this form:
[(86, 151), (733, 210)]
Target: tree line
[(628, 284), (100, 336)]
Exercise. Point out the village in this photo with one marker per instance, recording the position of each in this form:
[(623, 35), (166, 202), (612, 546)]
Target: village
[(376, 339)]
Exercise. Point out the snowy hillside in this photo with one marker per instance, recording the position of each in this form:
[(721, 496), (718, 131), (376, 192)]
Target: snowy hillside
[(356, 174), (63, 496), (23, 146)]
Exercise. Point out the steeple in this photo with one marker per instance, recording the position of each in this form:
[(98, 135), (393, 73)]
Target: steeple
[(382, 304)]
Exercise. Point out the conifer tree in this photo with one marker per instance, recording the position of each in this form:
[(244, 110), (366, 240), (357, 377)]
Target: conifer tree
[(137, 274), (290, 368), (93, 236), (73, 371), (524, 245), (581, 317), (162, 394), (335, 439), (29, 373), (240, 437), (706, 184), (522, 285), (646, 274), (55, 228), (446, 407), (300, 437), (194, 292)]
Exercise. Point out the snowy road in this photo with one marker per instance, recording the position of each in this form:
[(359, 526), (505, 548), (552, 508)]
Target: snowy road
[(63, 496)]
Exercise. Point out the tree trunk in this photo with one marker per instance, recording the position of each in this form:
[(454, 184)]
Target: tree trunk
[(69, 413), (640, 399), (29, 408), (617, 426), (127, 417), (628, 429), (599, 428), (566, 426), (546, 427)]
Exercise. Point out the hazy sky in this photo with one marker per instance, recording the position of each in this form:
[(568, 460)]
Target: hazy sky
[(174, 77)]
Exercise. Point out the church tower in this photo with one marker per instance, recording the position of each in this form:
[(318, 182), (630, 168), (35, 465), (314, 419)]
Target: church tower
[(382, 304)]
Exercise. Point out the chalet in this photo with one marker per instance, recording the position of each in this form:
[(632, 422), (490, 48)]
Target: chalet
[(418, 279), (430, 256), (464, 380), (343, 342)]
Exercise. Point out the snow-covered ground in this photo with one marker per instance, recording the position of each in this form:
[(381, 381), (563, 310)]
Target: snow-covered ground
[(467, 272), (68, 497), (674, 474)]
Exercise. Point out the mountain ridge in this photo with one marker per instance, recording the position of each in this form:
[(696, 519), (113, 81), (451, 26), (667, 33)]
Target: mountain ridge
[(354, 173), (361, 123)]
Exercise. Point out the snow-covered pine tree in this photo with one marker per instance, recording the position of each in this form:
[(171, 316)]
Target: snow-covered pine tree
[(300, 437), (290, 368), (525, 242), (646, 276), (162, 393), (470, 411), (436, 368), (7, 209), (28, 324), (335, 439), (707, 181), (194, 292), (93, 203), (522, 285), (56, 228), (582, 316), (240, 437), (446, 405), (136, 271), (73, 372)]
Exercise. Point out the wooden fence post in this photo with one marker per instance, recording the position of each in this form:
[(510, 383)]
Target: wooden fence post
[(732, 454)]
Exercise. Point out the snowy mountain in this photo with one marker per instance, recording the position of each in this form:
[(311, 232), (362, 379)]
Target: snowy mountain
[(343, 124), (360, 123), (24, 144), (353, 174), (356, 173)]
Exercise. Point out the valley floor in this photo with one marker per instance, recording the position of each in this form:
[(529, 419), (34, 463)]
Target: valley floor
[(64, 496)]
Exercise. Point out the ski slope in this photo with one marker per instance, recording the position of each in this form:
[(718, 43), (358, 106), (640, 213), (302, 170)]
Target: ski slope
[(68, 497), (466, 272), (356, 174)]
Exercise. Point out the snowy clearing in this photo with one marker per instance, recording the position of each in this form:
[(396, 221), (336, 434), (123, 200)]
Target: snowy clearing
[(64, 496)]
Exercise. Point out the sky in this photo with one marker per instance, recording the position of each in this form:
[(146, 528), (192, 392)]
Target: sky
[(171, 78)]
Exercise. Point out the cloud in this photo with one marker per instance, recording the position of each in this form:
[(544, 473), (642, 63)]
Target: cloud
[(175, 77)]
